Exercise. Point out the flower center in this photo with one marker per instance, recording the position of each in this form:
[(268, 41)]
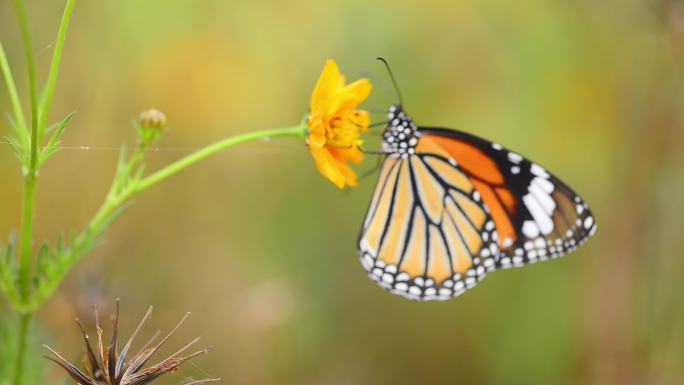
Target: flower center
[(345, 130)]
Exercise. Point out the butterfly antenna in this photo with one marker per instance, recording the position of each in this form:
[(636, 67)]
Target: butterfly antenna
[(394, 81)]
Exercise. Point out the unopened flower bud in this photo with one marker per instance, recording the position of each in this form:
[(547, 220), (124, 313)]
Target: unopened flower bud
[(151, 124)]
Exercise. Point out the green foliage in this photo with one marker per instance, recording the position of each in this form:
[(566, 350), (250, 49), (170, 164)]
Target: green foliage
[(33, 147), (9, 341), (19, 141), (53, 262), (9, 271), (25, 286), (29, 277), (52, 145)]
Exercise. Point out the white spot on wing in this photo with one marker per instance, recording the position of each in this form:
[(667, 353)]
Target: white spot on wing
[(543, 221), (530, 229), (515, 158), (538, 171), (543, 198), (544, 184)]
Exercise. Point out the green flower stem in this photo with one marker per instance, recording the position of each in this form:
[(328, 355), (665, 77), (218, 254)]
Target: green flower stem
[(30, 170), (24, 324), (12, 90), (116, 201), (25, 259), (179, 165), (124, 188), (30, 173)]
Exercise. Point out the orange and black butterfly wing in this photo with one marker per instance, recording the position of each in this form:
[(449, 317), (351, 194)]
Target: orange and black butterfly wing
[(427, 234), (537, 216)]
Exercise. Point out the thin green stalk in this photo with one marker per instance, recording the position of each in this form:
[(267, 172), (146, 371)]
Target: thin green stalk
[(22, 17), (12, 90), (175, 167), (25, 260), (117, 198), (24, 324), (123, 178), (30, 172), (49, 91)]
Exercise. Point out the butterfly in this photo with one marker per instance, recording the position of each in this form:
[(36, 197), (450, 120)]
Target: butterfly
[(450, 207)]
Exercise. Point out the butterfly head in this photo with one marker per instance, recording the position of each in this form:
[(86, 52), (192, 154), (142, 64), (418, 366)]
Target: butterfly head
[(401, 134)]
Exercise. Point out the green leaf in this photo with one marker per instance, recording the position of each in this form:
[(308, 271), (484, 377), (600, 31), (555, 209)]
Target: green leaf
[(121, 164), (18, 149), (51, 128), (19, 141), (49, 88), (44, 261), (34, 363), (20, 132), (122, 170), (8, 272), (12, 90), (52, 145), (137, 177), (3, 267), (66, 254)]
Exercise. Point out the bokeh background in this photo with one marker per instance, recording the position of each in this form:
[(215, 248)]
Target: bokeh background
[(262, 250)]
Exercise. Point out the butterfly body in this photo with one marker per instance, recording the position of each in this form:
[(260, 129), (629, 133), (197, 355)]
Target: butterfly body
[(450, 207)]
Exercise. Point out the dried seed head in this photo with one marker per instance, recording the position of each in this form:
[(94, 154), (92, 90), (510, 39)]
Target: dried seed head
[(105, 365)]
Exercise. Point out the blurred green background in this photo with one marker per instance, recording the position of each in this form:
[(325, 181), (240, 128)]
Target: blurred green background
[(262, 250)]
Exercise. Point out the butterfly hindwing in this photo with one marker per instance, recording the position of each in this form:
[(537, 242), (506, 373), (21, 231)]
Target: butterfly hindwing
[(537, 215)]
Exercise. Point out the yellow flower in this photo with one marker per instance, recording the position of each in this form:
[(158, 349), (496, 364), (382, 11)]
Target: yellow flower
[(335, 125)]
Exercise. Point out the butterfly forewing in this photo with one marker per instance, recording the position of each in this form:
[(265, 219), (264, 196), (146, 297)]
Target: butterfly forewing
[(427, 234)]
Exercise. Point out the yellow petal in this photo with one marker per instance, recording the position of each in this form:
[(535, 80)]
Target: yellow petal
[(349, 174), (328, 84), (355, 93), (335, 125), (352, 154), (328, 166), (360, 119), (316, 137)]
